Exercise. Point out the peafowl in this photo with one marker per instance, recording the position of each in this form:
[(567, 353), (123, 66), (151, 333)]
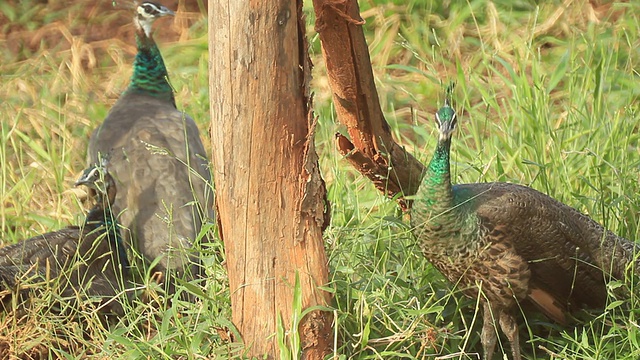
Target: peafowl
[(157, 159), (88, 259), (510, 244)]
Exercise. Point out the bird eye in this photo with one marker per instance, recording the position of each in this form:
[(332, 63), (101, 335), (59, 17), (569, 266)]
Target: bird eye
[(149, 9)]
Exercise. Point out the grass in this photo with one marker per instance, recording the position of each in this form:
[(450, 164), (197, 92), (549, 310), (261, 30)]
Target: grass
[(547, 96)]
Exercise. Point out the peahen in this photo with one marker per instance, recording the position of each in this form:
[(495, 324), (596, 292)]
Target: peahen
[(510, 244), (88, 259), (157, 159)]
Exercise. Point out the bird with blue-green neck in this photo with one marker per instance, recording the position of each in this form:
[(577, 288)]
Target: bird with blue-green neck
[(88, 260), (150, 75), (508, 245), (158, 161)]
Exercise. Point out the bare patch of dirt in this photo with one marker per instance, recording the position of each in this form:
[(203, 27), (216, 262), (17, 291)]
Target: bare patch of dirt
[(30, 26)]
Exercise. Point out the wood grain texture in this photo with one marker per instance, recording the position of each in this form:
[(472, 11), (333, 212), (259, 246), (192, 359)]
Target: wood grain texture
[(371, 149), (270, 196)]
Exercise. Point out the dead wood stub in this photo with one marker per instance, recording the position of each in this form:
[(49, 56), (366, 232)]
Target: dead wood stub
[(370, 147)]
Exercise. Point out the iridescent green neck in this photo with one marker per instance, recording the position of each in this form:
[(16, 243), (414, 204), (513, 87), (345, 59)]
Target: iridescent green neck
[(433, 213), (435, 191), (149, 73)]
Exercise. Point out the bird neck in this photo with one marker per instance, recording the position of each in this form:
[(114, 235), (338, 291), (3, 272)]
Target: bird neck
[(101, 216), (434, 205), (149, 72), (436, 184)]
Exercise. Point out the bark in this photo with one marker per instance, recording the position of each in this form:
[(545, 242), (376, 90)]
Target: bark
[(270, 197), (371, 150)]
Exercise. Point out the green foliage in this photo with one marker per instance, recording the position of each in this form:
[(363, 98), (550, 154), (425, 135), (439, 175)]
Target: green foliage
[(289, 343), (547, 96)]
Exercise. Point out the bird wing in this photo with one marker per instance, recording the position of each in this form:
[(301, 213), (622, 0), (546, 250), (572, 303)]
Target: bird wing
[(549, 235), (54, 247), (42, 256), (161, 172)]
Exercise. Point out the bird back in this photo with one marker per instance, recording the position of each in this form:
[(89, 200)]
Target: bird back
[(157, 159), (87, 259)]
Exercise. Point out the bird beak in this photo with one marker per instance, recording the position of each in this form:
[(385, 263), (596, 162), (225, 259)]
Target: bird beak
[(82, 180), (164, 11), (79, 182)]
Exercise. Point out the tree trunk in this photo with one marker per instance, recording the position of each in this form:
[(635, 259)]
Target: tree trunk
[(371, 149), (271, 200)]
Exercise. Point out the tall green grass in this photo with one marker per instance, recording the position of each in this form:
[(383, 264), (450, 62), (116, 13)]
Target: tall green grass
[(548, 99), (547, 96)]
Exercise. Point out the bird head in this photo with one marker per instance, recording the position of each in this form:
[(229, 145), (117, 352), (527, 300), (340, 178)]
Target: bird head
[(147, 12), (93, 178), (447, 121), (99, 182)]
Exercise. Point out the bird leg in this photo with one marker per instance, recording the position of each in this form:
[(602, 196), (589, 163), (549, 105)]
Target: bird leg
[(488, 337), (509, 327)]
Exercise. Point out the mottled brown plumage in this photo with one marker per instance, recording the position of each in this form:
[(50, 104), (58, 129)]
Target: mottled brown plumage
[(510, 244), (86, 260), (157, 159)]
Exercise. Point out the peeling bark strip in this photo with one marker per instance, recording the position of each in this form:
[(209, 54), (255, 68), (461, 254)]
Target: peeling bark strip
[(271, 199), (372, 150)]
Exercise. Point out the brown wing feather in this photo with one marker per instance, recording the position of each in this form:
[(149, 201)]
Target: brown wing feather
[(547, 304), (56, 246), (564, 249), (82, 256), (159, 163)]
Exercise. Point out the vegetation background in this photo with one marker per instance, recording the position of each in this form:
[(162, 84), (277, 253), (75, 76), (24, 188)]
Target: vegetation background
[(547, 93)]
